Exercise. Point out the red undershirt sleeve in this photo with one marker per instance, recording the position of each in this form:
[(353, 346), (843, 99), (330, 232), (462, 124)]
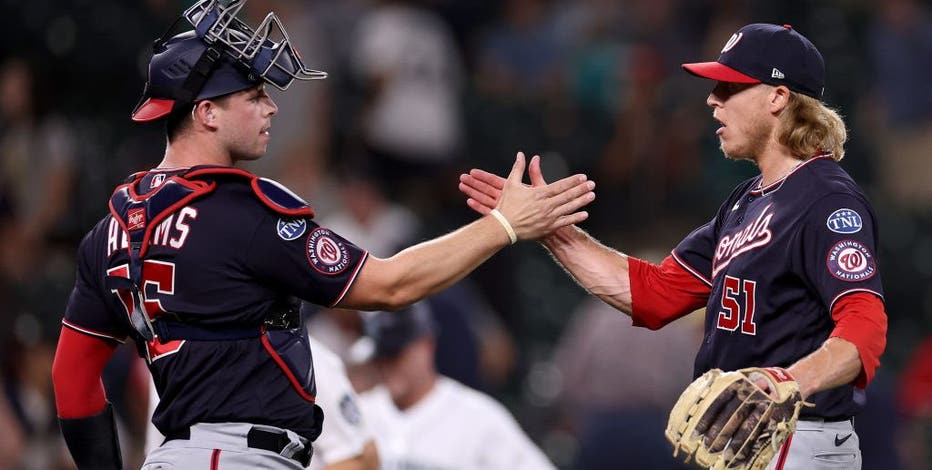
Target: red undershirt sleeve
[(79, 361), (661, 294), (860, 319)]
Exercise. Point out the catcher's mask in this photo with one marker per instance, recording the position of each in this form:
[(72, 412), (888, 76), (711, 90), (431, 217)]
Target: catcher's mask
[(222, 55)]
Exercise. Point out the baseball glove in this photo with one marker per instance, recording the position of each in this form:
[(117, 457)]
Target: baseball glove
[(726, 421)]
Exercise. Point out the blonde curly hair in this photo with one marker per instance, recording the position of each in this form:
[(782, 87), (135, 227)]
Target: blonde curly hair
[(808, 127)]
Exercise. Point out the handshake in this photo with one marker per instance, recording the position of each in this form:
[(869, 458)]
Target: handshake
[(528, 212)]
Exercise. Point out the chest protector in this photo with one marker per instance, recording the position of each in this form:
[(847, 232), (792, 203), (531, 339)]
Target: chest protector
[(283, 335)]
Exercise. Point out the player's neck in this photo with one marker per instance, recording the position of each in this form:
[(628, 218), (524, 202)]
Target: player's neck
[(189, 150), (775, 165), (416, 394)]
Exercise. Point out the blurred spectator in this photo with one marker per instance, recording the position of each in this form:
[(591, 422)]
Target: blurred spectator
[(411, 73), (619, 384), (424, 420), (298, 154), (901, 57), (915, 401), (520, 57), (878, 425), (645, 168), (37, 166), (368, 218), (473, 347), (27, 380), (36, 170), (12, 440)]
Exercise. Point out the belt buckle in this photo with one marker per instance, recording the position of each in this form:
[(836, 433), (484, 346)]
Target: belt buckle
[(277, 441)]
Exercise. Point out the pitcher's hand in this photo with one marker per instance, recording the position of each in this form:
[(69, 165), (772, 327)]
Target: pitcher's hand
[(534, 211)]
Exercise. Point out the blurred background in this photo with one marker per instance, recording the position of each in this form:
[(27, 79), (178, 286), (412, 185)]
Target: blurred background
[(420, 91)]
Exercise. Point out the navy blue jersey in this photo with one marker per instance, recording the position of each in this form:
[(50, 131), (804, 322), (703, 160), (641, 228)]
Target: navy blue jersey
[(777, 259), (226, 259)]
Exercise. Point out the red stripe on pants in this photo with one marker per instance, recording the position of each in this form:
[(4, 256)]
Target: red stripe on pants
[(215, 460), (784, 451)]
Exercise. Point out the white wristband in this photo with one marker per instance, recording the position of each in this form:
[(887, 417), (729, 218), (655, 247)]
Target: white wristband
[(507, 226)]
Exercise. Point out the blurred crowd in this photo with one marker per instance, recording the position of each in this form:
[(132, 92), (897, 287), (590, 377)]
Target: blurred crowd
[(422, 90)]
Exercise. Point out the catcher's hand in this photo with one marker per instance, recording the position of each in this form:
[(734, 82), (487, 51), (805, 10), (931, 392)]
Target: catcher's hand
[(725, 421)]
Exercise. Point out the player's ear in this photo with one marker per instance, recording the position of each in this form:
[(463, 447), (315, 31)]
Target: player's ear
[(778, 99), (204, 113)]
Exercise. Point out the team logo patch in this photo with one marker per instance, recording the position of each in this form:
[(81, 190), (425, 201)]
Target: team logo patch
[(844, 221), (136, 219), (349, 410), (326, 254), (290, 229), (850, 260)]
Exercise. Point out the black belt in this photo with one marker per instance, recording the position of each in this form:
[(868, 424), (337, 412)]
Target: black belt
[(256, 438), (826, 420)]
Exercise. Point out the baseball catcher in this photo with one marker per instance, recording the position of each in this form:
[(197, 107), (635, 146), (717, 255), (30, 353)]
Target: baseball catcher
[(735, 420)]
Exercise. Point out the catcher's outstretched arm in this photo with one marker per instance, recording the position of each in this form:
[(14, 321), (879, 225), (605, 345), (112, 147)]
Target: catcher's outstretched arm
[(653, 295), (525, 213)]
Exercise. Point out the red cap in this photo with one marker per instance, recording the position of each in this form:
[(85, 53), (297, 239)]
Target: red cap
[(718, 71), (152, 109)]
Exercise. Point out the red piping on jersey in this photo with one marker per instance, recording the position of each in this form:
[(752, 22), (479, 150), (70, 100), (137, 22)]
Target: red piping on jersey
[(215, 459), (852, 291), (691, 269), (661, 294), (284, 367), (91, 332), (79, 361), (299, 212), (351, 280), (784, 451), (860, 319), (254, 183)]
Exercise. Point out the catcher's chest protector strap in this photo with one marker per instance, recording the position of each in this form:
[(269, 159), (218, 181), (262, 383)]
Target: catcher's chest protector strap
[(138, 215)]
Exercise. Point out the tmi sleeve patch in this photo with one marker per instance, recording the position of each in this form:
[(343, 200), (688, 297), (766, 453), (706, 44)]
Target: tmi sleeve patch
[(844, 221), (851, 261), (291, 229)]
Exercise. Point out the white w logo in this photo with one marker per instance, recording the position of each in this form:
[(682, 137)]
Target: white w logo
[(732, 41)]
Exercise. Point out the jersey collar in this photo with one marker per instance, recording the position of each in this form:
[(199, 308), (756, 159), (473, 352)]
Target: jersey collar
[(776, 185)]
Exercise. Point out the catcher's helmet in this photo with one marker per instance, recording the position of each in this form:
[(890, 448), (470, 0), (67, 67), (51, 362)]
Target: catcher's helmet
[(222, 55)]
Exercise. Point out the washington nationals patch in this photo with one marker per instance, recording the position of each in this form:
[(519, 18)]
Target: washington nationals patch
[(851, 261), (326, 253)]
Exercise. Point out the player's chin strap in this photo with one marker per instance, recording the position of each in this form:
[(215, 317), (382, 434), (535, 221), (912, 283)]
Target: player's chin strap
[(93, 441)]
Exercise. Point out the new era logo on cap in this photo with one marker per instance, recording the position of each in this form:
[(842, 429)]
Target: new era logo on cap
[(767, 53)]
